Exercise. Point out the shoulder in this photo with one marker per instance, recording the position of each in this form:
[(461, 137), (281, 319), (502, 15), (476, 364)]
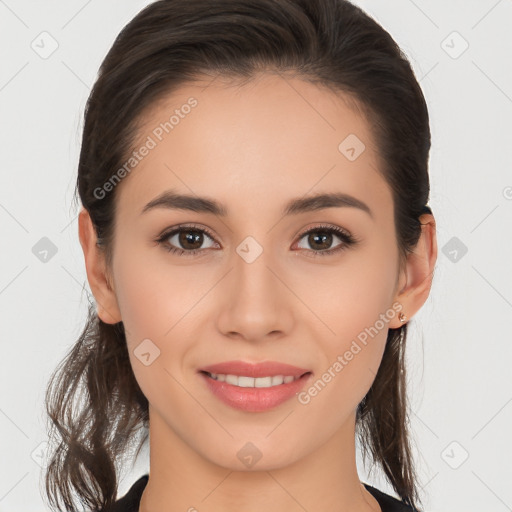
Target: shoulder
[(388, 503), (131, 500)]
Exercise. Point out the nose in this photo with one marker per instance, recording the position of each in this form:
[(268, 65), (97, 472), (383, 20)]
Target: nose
[(254, 300)]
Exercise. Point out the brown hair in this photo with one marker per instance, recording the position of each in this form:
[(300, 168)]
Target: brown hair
[(170, 42)]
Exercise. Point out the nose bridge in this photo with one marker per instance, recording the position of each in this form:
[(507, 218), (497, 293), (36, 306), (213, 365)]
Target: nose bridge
[(254, 306), (252, 261)]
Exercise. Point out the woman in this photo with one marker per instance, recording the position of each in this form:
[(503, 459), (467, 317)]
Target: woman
[(256, 235)]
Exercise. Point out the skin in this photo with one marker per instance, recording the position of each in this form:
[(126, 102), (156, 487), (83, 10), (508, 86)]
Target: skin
[(253, 148)]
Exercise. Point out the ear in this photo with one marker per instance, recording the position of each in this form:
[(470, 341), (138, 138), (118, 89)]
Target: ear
[(97, 274), (415, 279)]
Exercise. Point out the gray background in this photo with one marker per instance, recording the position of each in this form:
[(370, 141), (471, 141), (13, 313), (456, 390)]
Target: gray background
[(460, 347)]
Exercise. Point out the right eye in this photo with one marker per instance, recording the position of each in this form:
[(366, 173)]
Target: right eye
[(184, 236)]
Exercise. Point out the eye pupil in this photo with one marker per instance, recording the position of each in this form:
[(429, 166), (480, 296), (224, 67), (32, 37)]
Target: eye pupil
[(185, 238), (313, 239)]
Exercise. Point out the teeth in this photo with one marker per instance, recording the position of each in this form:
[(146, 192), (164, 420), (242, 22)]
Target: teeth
[(253, 382)]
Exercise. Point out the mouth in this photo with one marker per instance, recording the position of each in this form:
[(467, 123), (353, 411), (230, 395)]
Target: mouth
[(254, 394), (245, 381), (255, 370)]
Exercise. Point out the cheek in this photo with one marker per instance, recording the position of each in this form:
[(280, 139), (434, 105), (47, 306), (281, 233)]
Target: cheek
[(159, 302), (154, 301), (356, 306), (153, 294), (350, 358), (352, 296)]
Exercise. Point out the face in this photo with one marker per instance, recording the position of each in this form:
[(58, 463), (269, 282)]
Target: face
[(313, 288)]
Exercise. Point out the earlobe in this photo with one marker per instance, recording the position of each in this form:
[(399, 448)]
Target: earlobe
[(416, 279), (97, 275)]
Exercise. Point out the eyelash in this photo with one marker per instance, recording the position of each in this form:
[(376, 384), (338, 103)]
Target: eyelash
[(347, 239)]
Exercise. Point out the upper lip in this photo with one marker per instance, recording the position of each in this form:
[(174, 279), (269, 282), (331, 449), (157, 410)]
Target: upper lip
[(264, 369)]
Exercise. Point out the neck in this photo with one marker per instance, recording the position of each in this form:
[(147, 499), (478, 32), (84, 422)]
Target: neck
[(180, 479)]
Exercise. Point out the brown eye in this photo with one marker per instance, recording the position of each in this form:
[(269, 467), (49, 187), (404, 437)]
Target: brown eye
[(321, 238), (185, 240), (189, 239)]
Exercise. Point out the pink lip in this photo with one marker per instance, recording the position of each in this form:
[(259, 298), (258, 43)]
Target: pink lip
[(265, 369), (254, 399)]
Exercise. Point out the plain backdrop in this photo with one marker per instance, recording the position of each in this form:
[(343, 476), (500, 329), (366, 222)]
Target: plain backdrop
[(460, 345)]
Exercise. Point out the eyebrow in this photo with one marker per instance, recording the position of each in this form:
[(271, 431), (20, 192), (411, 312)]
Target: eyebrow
[(172, 200)]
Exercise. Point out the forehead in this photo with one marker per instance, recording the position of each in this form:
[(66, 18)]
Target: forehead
[(268, 139)]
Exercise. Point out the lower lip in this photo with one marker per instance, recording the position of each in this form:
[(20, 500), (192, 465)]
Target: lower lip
[(254, 399)]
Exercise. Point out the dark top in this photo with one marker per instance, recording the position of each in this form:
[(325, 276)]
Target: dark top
[(131, 500)]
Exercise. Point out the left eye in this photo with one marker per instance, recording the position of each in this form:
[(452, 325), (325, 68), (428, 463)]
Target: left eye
[(317, 237), (192, 238)]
